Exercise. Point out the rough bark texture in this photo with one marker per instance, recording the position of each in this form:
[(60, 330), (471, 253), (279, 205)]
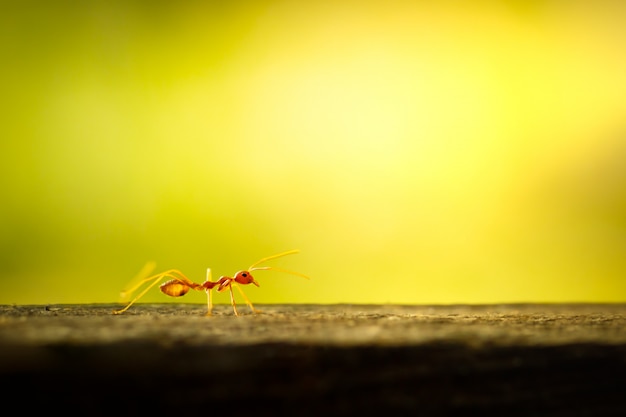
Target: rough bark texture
[(312, 360)]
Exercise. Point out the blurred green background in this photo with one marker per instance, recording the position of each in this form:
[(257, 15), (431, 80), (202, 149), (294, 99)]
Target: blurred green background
[(415, 152)]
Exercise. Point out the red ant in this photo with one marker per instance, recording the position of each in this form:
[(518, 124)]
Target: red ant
[(180, 285)]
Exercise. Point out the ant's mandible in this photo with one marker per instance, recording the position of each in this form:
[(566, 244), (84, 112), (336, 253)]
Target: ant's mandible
[(179, 285)]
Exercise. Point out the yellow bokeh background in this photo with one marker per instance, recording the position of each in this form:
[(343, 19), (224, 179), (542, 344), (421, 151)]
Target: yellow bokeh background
[(415, 152)]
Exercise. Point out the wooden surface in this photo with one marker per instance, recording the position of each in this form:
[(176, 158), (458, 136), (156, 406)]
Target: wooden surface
[(311, 360)]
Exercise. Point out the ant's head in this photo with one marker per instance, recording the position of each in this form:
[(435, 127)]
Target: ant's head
[(244, 277)]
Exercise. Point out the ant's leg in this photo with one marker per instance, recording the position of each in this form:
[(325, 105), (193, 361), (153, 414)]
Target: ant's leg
[(209, 302), (232, 299), (254, 310), (172, 273), (208, 292), (155, 281)]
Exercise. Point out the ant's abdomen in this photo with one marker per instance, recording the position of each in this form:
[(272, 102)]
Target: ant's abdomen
[(174, 288)]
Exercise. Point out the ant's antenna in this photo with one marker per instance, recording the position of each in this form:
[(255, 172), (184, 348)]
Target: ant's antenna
[(254, 267)]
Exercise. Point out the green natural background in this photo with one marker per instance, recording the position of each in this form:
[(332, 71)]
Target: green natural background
[(415, 152)]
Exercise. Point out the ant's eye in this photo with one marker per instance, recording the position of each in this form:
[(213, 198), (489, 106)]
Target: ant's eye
[(244, 275)]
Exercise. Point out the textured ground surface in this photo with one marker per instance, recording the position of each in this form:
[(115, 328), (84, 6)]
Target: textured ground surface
[(318, 359)]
